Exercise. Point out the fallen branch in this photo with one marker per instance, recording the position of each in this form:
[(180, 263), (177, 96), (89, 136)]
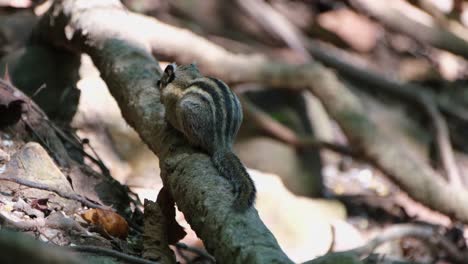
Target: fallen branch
[(199, 252), (57, 221), (376, 258), (59, 192), (438, 15), (276, 24), (112, 253), (286, 135), (35, 123), (394, 14), (412, 175), (368, 78), (413, 94), (442, 138), (425, 233)]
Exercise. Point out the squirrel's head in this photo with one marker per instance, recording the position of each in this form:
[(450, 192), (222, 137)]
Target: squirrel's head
[(180, 76)]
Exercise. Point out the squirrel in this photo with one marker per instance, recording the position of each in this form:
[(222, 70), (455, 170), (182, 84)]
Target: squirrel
[(209, 115)]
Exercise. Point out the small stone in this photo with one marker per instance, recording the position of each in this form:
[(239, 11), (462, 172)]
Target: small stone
[(33, 163), (4, 157), (7, 143)]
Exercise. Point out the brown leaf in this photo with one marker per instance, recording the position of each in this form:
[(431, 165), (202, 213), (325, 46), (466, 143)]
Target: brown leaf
[(110, 222), (41, 205)]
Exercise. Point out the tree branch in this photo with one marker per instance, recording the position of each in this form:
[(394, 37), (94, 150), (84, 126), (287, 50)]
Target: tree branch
[(394, 15), (416, 95), (59, 192), (112, 253), (425, 233), (117, 42), (119, 46), (412, 175), (286, 135)]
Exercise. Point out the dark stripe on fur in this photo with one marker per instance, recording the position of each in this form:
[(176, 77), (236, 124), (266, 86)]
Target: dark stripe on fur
[(218, 107), (230, 167), (228, 103), (239, 116)]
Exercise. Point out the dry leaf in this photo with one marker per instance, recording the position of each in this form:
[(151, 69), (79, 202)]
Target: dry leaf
[(41, 205), (111, 222)]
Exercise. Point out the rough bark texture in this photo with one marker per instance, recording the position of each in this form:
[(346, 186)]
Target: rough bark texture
[(117, 42), (417, 178), (411, 174)]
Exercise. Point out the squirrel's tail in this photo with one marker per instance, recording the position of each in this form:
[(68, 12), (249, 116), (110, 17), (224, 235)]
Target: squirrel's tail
[(229, 165)]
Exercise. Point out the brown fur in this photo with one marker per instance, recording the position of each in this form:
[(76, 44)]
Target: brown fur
[(209, 114)]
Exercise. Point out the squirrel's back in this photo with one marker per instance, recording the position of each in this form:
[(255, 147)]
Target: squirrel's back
[(209, 114), (222, 117)]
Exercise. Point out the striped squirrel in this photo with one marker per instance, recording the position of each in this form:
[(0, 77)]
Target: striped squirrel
[(209, 114)]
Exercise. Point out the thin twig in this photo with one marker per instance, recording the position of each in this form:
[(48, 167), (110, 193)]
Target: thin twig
[(197, 251), (284, 134), (112, 253), (63, 194), (42, 87), (64, 224), (98, 161), (72, 138)]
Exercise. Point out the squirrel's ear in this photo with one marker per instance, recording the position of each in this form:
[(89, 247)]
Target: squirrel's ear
[(168, 76), (170, 69), (169, 73)]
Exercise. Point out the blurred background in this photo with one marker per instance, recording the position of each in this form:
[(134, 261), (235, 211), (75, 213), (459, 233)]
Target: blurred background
[(316, 191)]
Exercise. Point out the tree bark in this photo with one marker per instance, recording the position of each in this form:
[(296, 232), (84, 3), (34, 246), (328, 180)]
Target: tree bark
[(414, 176), (119, 43), (116, 40)]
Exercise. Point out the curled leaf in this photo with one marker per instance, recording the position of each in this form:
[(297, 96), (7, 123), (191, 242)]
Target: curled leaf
[(111, 222)]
